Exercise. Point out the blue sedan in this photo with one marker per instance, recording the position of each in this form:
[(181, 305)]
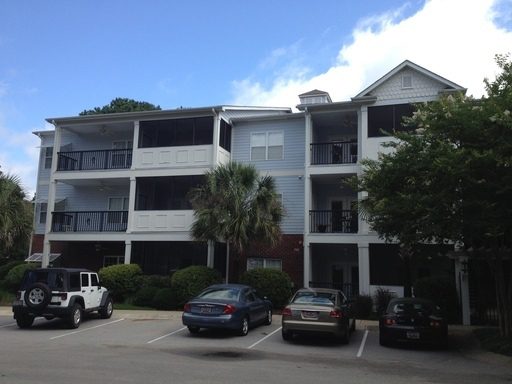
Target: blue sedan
[(227, 306)]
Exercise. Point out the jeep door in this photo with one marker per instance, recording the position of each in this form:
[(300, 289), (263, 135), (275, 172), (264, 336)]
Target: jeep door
[(97, 292)]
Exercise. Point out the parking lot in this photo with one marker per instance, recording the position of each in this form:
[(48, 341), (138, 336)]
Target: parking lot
[(132, 345)]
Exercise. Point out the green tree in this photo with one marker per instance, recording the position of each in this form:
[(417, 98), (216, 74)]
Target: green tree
[(451, 181), (15, 217), (121, 105), (238, 206)]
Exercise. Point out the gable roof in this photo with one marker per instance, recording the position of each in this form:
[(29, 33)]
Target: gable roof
[(450, 85), (314, 92)]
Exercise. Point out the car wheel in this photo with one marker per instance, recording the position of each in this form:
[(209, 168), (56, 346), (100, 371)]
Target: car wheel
[(193, 330), (244, 327), (268, 319), (24, 321), (75, 316), (38, 296), (287, 335), (107, 310), (344, 339), (353, 326), (383, 340)]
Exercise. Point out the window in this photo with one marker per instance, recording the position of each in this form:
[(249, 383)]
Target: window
[(176, 132), (48, 153), (43, 208), (119, 206), (225, 135), (388, 118), (94, 280), (406, 81), (254, 263), (85, 279), (267, 146), (112, 260), (74, 281), (166, 192)]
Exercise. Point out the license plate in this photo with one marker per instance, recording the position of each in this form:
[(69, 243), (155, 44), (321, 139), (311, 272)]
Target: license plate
[(17, 303), (413, 335), (206, 310), (309, 314)]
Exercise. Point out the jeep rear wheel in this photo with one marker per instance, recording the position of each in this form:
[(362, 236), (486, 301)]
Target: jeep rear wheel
[(75, 316), (106, 311), (24, 321), (38, 296)]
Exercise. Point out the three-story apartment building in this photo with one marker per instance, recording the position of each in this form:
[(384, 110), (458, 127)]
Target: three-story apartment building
[(113, 188)]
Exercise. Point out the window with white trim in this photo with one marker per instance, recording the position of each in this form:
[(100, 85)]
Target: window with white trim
[(48, 153), (112, 260), (267, 145), (406, 81), (256, 262), (43, 208)]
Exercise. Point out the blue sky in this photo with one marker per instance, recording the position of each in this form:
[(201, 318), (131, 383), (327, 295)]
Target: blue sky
[(58, 58)]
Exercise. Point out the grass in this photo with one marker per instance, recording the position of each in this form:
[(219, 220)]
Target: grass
[(6, 298), (491, 340)]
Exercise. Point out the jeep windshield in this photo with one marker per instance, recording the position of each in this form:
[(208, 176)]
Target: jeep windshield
[(54, 279)]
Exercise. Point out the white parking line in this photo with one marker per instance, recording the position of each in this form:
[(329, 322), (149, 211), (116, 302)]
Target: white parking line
[(86, 329), (164, 336), (259, 341), (363, 342), (7, 325)]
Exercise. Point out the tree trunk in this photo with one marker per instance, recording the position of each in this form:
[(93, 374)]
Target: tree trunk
[(406, 254)]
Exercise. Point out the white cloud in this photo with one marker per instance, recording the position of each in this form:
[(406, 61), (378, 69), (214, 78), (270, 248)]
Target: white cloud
[(456, 39)]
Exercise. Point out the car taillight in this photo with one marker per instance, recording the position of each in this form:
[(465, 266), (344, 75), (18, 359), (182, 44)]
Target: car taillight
[(229, 309), (18, 295), (390, 321), (286, 312), (186, 308), (336, 314), (435, 324), (63, 296)]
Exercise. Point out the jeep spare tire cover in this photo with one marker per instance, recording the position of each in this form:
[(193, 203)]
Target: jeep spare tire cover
[(38, 296)]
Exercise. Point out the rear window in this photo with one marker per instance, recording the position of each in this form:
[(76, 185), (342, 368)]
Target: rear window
[(408, 307), (54, 279), (220, 293), (315, 298)]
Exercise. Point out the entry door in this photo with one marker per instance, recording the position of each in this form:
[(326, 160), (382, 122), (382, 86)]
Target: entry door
[(337, 216), (337, 276)]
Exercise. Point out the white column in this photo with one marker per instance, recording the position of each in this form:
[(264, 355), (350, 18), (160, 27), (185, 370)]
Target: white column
[(131, 204), (127, 251), (462, 282), (210, 258), (216, 137), (364, 269), (135, 143)]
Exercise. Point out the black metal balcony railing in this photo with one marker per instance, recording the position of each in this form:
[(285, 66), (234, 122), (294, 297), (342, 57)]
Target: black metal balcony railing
[(90, 221), (91, 160), (337, 221), (335, 152), (350, 290)]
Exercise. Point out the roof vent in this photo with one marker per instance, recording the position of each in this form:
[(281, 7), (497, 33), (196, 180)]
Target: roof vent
[(315, 97)]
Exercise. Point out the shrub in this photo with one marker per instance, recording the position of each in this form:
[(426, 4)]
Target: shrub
[(188, 282), (442, 291), (13, 278), (382, 298), (165, 298), (121, 279), (156, 281), (4, 269), (271, 283), (144, 296), (362, 306)]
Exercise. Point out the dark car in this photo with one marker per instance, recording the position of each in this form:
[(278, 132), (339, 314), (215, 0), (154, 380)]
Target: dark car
[(227, 306), (413, 320), (318, 310)]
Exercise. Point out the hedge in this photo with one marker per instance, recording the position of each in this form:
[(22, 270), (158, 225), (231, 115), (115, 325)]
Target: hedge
[(14, 277), (122, 279), (188, 282), (271, 283)]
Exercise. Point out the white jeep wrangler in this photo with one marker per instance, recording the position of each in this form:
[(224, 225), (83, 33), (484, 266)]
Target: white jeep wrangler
[(60, 292)]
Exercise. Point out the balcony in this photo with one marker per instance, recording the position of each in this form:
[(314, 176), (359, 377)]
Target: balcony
[(94, 160), (90, 221), (335, 152), (337, 221)]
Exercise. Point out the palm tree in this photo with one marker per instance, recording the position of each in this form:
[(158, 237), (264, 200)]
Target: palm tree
[(238, 206), (15, 214)]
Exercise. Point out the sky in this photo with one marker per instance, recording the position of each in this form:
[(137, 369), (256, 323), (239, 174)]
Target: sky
[(58, 58)]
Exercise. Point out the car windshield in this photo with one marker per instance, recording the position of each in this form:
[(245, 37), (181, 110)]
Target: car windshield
[(220, 293), (412, 307), (315, 298), (54, 279)]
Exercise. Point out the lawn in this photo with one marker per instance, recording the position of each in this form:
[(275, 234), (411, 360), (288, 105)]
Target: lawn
[(491, 340)]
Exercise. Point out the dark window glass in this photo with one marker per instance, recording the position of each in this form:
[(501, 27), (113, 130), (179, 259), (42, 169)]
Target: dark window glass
[(74, 281), (386, 266), (388, 118), (165, 193), (94, 280), (176, 132), (85, 280), (225, 136)]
